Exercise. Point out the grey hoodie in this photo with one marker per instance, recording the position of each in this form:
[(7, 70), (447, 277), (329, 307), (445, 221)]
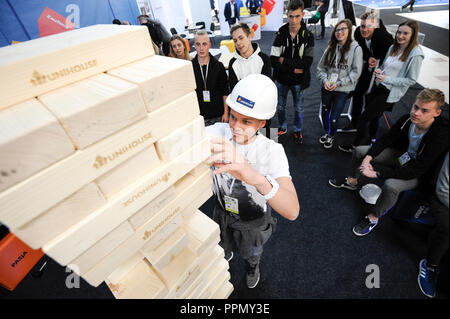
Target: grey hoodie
[(408, 74), (349, 73)]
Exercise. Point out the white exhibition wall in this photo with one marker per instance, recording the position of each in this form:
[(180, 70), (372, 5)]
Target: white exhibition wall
[(173, 13), (273, 21)]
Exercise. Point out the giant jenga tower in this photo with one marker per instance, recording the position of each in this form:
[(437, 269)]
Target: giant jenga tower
[(102, 163)]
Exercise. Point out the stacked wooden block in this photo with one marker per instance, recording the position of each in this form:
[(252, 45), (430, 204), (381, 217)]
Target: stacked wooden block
[(102, 163)]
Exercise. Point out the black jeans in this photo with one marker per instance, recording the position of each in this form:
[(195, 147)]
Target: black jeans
[(438, 239), (375, 106), (358, 95)]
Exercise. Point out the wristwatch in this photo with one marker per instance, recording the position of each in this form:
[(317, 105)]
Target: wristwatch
[(275, 187)]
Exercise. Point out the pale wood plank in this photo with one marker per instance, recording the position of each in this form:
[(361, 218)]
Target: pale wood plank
[(51, 185), (31, 139), (124, 268), (206, 267), (140, 283), (201, 230), (170, 248), (144, 234), (61, 217), (84, 234), (102, 248), (181, 139), (128, 172), (95, 108), (160, 79), (33, 67), (203, 184)]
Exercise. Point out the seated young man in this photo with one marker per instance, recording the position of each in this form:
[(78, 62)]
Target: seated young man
[(251, 173), (403, 157)]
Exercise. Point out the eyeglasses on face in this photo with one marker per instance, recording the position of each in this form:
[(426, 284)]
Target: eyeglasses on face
[(340, 30)]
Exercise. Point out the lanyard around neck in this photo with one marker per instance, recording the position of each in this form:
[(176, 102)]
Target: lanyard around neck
[(203, 76)]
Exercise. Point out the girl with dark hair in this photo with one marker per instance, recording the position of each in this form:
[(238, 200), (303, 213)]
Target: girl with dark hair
[(400, 70), (339, 70)]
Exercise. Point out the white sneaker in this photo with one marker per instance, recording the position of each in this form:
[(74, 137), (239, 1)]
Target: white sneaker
[(324, 138), (329, 142)]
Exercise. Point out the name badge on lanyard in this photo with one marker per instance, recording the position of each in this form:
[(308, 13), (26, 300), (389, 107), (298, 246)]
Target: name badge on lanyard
[(206, 93), (206, 96), (231, 204), (405, 158)]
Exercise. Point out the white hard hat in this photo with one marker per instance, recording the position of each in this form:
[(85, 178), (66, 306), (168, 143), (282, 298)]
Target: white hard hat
[(255, 96), (370, 193)]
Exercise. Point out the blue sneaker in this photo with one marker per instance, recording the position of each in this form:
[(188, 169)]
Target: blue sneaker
[(364, 227), (427, 279)]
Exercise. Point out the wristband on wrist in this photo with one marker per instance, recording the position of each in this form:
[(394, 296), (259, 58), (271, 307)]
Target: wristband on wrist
[(275, 187)]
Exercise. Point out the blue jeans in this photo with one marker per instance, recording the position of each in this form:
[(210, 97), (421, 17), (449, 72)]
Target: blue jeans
[(333, 103), (297, 95)]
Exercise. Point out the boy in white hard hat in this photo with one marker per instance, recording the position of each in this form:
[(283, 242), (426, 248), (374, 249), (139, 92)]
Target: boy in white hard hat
[(251, 173)]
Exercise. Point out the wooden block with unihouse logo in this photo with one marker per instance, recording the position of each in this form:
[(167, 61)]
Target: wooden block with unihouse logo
[(48, 187), (181, 139), (95, 108), (140, 283), (160, 79), (197, 187), (31, 68), (180, 281), (128, 172), (87, 260), (149, 231), (208, 266), (59, 218), (170, 248), (125, 268), (201, 230), (88, 231), (218, 273), (31, 139), (224, 291)]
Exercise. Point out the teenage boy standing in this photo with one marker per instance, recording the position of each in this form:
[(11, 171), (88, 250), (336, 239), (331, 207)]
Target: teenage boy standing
[(291, 57), (251, 174)]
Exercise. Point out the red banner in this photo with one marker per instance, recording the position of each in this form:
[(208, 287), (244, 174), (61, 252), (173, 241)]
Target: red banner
[(51, 22)]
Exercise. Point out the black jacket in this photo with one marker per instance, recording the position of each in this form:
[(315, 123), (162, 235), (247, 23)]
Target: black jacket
[(433, 145), (216, 84), (380, 42), (297, 53)]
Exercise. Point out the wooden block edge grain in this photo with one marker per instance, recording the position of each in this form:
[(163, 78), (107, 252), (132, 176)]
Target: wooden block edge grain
[(32, 76), (143, 235), (48, 187), (87, 232)]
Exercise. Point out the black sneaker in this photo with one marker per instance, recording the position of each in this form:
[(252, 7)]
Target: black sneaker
[(364, 227), (347, 148), (329, 142), (298, 137), (323, 138), (229, 256), (342, 184), (281, 131), (252, 277)]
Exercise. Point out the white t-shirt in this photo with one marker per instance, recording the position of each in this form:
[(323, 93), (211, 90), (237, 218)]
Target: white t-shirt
[(232, 10), (265, 155), (392, 67)]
